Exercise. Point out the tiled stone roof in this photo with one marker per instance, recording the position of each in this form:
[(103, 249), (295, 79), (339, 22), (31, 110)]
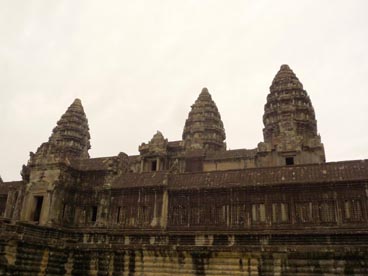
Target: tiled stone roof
[(314, 173), (6, 186), (130, 180)]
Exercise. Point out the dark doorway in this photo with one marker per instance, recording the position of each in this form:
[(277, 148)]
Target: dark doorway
[(154, 166), (289, 161), (94, 214), (118, 215), (38, 208), (64, 211)]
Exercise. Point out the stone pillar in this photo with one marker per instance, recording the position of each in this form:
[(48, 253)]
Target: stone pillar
[(164, 209), (104, 205), (158, 164)]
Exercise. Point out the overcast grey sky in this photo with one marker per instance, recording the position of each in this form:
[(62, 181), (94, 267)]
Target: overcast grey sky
[(138, 66)]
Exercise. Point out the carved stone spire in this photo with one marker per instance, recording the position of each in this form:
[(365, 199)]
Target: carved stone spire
[(204, 128), (70, 138), (289, 118), (157, 145)]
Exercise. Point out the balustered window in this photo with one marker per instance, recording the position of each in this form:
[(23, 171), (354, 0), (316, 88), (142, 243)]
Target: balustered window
[(280, 213), (327, 212), (258, 213), (220, 214), (179, 215), (352, 210), (238, 214), (304, 212)]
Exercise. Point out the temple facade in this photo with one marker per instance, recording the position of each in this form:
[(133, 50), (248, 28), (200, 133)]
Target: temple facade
[(190, 207)]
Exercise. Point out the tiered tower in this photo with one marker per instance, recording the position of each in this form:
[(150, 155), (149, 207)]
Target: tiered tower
[(70, 138), (204, 129), (153, 156), (290, 124), (46, 175)]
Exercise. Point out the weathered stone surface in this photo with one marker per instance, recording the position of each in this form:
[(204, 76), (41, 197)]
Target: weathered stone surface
[(69, 139), (190, 207), (290, 124), (204, 128), (44, 251)]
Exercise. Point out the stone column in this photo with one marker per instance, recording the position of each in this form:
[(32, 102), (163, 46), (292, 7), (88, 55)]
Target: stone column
[(158, 164)]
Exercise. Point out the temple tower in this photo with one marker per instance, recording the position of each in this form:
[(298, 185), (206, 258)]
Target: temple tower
[(204, 129), (46, 175), (70, 138), (290, 131), (71, 135), (153, 156)]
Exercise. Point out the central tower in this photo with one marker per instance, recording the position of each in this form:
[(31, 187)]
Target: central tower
[(290, 127), (204, 129)]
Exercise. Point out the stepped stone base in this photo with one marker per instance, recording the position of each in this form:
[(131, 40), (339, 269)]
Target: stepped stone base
[(35, 250)]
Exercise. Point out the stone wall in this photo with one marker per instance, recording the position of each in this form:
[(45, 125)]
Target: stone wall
[(36, 250), (260, 208)]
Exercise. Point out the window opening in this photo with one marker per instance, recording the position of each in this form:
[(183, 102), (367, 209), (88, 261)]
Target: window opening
[(289, 161), (38, 203), (94, 214), (258, 213), (64, 209), (154, 165), (118, 215)]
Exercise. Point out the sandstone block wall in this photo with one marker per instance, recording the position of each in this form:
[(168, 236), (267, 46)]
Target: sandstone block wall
[(36, 250)]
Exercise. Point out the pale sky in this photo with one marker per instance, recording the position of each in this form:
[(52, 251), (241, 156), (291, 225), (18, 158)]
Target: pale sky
[(138, 66)]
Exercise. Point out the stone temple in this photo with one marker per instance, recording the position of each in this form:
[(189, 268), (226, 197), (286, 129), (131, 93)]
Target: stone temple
[(190, 207)]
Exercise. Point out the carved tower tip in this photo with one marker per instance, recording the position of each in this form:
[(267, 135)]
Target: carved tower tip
[(204, 128), (70, 138), (204, 90)]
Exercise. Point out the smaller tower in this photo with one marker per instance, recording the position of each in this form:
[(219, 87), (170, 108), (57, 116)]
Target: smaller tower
[(290, 132), (46, 175), (204, 129), (154, 154), (69, 139), (71, 135)]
